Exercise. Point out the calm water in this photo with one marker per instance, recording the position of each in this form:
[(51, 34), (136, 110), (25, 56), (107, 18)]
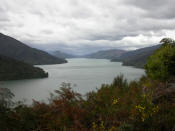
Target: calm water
[(86, 74)]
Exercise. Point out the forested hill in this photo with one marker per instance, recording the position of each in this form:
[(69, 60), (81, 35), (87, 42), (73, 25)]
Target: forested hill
[(11, 69), (13, 48), (136, 58), (106, 54)]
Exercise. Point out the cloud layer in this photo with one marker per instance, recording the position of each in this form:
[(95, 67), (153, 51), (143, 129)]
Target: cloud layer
[(82, 27)]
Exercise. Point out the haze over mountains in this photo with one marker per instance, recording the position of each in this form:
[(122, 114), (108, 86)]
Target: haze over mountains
[(63, 55), (15, 49), (106, 54), (136, 58)]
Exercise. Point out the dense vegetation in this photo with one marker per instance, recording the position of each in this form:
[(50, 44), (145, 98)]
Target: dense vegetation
[(144, 105), (136, 58), (161, 65), (11, 69), (13, 48)]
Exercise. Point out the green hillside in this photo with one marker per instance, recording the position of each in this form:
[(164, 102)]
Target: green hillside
[(136, 58), (11, 69)]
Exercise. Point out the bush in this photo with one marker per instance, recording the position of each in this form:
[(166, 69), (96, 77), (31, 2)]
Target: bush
[(117, 106)]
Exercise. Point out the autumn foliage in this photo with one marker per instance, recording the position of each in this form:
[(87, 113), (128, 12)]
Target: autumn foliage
[(118, 106)]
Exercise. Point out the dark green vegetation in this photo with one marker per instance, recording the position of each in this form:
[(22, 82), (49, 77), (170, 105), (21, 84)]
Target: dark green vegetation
[(11, 69), (136, 58), (60, 54), (161, 65), (106, 54), (144, 105), (13, 48)]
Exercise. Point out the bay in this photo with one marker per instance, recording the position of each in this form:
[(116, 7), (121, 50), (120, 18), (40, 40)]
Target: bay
[(84, 75)]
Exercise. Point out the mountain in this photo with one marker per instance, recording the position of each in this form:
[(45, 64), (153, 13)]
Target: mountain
[(60, 54), (11, 69), (136, 58), (13, 48), (106, 54)]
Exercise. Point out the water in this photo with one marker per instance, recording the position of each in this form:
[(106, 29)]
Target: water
[(86, 74)]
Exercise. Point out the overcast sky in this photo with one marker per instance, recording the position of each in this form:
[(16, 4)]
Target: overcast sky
[(84, 26)]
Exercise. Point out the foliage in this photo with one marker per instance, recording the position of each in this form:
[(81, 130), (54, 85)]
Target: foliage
[(161, 64), (118, 106), (166, 41), (6, 97)]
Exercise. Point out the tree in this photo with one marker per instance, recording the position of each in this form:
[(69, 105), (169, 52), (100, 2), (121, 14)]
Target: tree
[(166, 41), (6, 97), (161, 65)]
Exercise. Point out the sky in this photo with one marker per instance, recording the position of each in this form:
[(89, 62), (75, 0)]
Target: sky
[(85, 26)]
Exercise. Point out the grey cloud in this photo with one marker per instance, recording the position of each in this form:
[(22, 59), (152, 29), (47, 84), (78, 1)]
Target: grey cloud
[(106, 37), (82, 26), (47, 32), (111, 36), (3, 15), (162, 9), (4, 19)]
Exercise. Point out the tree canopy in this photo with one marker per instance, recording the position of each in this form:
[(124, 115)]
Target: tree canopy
[(161, 64)]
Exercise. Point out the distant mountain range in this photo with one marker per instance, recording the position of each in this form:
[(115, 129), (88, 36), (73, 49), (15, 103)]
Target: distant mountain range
[(137, 58), (11, 69), (106, 54), (13, 48), (60, 54)]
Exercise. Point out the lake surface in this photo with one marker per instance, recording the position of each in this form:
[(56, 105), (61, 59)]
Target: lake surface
[(86, 74)]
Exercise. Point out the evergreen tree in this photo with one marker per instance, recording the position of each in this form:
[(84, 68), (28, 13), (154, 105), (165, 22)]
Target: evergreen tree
[(161, 65)]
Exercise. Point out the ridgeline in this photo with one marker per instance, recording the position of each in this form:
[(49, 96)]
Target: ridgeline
[(15, 49)]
